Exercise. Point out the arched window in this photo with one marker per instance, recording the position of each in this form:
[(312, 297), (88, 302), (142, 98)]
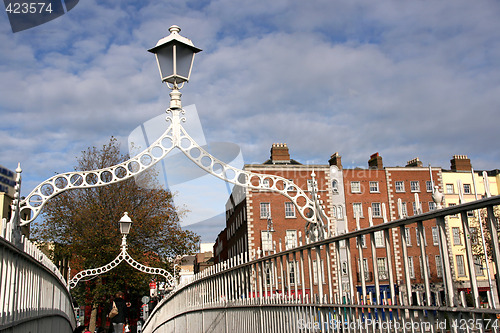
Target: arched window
[(334, 211), (335, 187), (340, 213)]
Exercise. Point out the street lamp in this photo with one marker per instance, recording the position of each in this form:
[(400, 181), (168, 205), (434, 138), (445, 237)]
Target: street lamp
[(175, 56), (125, 224)]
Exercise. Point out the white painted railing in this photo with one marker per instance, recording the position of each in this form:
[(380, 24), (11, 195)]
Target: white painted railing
[(34, 296), (280, 292)]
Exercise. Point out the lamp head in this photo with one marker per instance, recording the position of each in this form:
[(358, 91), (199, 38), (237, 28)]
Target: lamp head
[(125, 224), (175, 56)]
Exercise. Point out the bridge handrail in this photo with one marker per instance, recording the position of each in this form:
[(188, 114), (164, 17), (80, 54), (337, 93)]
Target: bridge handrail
[(32, 288), (245, 282)]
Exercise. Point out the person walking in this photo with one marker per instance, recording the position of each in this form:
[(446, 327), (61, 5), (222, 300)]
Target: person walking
[(120, 318)]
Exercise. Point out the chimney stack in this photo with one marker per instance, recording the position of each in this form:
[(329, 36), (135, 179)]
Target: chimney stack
[(336, 159), (375, 162), (280, 153), (416, 162), (460, 163)]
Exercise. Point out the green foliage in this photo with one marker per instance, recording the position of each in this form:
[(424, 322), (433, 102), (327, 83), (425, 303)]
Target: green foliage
[(84, 222)]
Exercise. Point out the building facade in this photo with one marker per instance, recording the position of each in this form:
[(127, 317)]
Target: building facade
[(262, 222)]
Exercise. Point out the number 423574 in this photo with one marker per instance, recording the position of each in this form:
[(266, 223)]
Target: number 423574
[(28, 8)]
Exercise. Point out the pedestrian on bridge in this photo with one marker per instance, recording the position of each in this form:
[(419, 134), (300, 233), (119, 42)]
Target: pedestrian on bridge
[(122, 317)]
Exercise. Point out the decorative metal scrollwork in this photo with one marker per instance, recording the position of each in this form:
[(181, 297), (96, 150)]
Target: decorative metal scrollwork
[(90, 273), (175, 137)]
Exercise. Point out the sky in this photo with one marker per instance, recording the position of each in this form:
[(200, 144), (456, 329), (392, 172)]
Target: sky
[(403, 78)]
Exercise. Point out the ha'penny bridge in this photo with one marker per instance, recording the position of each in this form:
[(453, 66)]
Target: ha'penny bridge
[(281, 290)]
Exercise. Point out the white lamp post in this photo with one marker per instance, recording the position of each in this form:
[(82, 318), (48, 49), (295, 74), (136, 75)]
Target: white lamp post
[(125, 224), (175, 56)]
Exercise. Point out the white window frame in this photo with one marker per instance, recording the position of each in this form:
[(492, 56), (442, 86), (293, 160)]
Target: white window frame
[(265, 210), (294, 273), (411, 267), (428, 186), (289, 210), (266, 240), (439, 266), (435, 236), (432, 206), (340, 212), (418, 238), (374, 187), (376, 209), (355, 206), (467, 189), (383, 274), (290, 239), (399, 186), (408, 236), (335, 186), (457, 239), (415, 186), (459, 258), (379, 239), (355, 187), (450, 189)]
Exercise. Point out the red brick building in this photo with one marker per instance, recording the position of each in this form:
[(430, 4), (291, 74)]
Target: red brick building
[(260, 221)]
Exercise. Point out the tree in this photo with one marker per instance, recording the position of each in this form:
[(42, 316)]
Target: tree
[(476, 239), (84, 222)]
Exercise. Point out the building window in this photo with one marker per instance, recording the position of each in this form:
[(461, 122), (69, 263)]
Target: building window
[(416, 209), (291, 239), (355, 187), (404, 210), (374, 187), (408, 236), (265, 183), (363, 241), (269, 273), (265, 210), (456, 236), (400, 186), (450, 189), (422, 266), (432, 205), (357, 207), (289, 209), (376, 211), (418, 236), (467, 189), (315, 272), (415, 186), (439, 266), (478, 266), (335, 187), (470, 213), (365, 268), (435, 236), (267, 240), (428, 186), (293, 272), (382, 268), (460, 265), (344, 268), (379, 239), (340, 213), (411, 267)]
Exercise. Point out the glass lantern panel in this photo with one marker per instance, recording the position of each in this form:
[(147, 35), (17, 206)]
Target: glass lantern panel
[(165, 58), (184, 61)]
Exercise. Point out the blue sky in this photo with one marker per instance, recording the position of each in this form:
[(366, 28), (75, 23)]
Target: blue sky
[(405, 79)]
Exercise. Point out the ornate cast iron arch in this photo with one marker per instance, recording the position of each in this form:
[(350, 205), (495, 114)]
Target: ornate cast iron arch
[(176, 137)]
